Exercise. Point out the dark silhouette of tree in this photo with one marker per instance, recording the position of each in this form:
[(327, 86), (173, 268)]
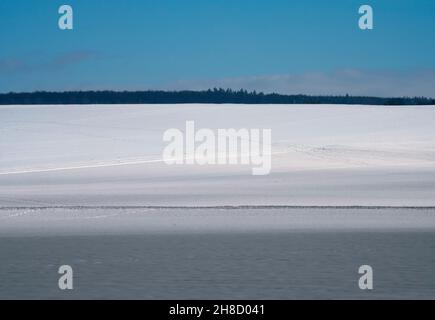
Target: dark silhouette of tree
[(215, 95)]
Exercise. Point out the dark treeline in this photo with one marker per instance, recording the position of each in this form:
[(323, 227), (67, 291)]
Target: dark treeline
[(207, 96)]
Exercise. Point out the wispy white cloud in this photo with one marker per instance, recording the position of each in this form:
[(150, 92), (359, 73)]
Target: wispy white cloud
[(43, 63)]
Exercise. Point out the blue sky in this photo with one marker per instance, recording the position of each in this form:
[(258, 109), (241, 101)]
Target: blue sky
[(310, 46)]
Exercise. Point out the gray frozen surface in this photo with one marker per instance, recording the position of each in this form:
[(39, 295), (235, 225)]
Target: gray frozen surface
[(271, 265)]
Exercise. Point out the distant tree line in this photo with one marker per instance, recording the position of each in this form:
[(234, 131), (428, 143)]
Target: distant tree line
[(187, 96)]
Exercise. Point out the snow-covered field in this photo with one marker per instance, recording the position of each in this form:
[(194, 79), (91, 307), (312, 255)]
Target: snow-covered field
[(86, 186), (112, 155)]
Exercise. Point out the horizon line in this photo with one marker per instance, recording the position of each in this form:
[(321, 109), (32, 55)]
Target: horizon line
[(214, 90)]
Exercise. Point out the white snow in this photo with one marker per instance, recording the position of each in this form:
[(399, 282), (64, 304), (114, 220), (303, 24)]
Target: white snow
[(112, 155)]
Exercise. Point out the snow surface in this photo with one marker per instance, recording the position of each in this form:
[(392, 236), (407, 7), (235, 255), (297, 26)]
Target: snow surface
[(122, 221), (112, 155)]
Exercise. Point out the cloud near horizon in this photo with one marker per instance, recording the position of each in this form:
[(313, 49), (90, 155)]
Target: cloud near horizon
[(356, 82), (340, 82)]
